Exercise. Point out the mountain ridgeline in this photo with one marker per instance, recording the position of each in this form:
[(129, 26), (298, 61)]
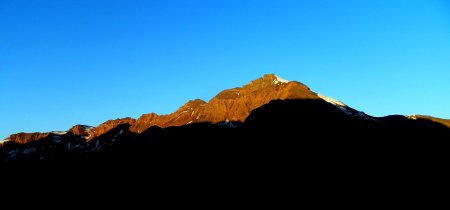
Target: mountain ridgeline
[(268, 121)]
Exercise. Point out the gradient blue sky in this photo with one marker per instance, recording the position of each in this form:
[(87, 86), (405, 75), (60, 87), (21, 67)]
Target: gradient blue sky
[(84, 62)]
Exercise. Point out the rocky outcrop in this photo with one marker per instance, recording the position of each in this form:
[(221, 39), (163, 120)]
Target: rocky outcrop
[(23, 138), (229, 105), (109, 125), (184, 115), (81, 130)]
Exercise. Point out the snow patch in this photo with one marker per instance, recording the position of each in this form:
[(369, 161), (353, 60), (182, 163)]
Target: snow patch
[(279, 80), (365, 116), (336, 103), (97, 143), (59, 132), (412, 117), (87, 128), (28, 151), (331, 100), (12, 154), (344, 108), (227, 123), (346, 111), (119, 133)]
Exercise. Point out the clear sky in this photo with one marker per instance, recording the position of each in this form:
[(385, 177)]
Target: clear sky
[(87, 61)]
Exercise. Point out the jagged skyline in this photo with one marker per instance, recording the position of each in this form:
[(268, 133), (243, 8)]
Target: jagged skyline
[(230, 108), (268, 109), (67, 63)]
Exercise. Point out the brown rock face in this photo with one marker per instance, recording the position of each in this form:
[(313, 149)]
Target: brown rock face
[(232, 105), (23, 138), (229, 105), (181, 117), (108, 125), (80, 130)]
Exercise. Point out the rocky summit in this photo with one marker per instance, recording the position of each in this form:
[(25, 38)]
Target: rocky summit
[(232, 105)]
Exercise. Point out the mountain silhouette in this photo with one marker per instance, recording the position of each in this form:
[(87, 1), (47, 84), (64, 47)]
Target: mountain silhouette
[(269, 122)]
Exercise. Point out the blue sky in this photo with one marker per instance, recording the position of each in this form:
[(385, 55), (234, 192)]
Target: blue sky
[(84, 62)]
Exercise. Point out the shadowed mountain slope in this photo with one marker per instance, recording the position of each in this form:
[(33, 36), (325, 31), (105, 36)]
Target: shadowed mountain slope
[(269, 119)]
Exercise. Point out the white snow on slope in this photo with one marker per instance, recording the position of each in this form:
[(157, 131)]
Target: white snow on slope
[(59, 132), (87, 127), (29, 150), (336, 103), (412, 117), (344, 108), (331, 100), (279, 80)]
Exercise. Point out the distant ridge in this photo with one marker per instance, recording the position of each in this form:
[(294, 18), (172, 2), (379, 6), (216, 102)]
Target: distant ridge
[(266, 107), (229, 105)]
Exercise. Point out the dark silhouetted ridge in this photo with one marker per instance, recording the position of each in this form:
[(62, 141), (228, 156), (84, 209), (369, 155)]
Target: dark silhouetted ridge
[(270, 122)]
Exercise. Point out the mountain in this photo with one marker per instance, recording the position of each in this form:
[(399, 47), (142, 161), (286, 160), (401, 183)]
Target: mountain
[(268, 119), (232, 105)]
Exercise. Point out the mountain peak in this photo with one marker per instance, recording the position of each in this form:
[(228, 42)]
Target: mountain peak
[(81, 130), (270, 81), (233, 105), (194, 103), (279, 80), (270, 78)]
